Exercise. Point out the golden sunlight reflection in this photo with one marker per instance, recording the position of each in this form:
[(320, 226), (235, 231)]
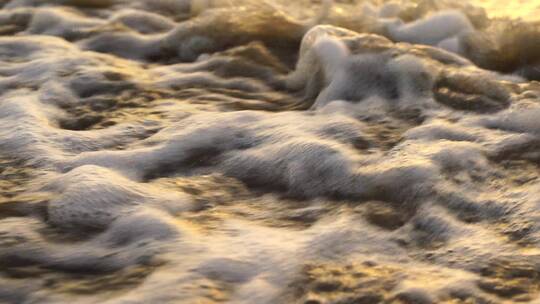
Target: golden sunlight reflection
[(526, 9)]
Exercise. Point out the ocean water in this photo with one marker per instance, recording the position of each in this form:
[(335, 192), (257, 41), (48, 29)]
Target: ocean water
[(525, 9), (237, 151)]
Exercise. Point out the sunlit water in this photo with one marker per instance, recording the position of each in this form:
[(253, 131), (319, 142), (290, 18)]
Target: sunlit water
[(525, 9), (153, 151)]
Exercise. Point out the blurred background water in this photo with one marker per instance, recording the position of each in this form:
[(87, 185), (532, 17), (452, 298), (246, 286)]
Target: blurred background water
[(526, 9)]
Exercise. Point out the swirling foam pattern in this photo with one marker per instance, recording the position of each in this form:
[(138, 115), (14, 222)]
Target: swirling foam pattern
[(168, 151)]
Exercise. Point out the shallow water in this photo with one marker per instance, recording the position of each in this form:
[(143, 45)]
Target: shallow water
[(157, 151)]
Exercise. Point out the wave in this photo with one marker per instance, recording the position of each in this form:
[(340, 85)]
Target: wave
[(244, 152)]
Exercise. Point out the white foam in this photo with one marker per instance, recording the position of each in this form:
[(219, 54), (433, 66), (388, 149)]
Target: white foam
[(400, 80), (93, 197), (140, 227), (271, 192), (62, 23), (432, 29), (332, 54), (144, 22), (516, 120)]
